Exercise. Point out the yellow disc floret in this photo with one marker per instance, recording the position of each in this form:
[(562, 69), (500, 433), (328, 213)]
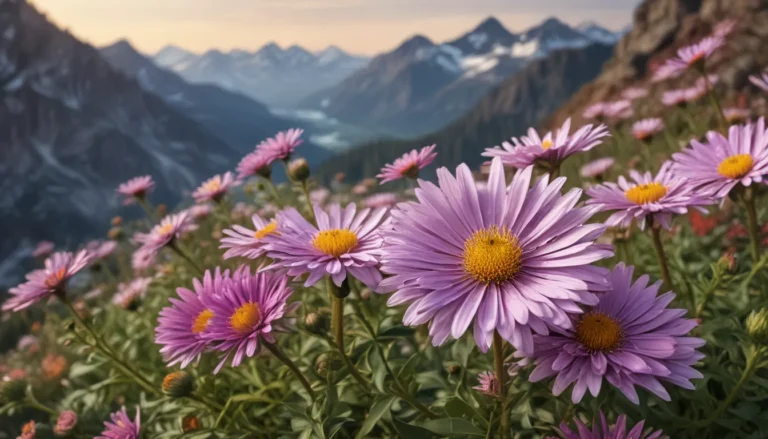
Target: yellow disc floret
[(269, 229), (335, 242), (245, 318), (201, 321), (598, 331), (646, 193), (735, 166), (492, 255)]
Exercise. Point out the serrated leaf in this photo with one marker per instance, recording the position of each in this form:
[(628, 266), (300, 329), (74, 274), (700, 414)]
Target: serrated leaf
[(378, 409), (453, 427)]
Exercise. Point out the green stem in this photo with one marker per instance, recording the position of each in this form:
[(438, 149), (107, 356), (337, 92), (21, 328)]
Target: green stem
[(663, 265), (498, 363), (148, 209), (213, 406), (749, 369), (752, 224), (305, 189), (32, 402), (554, 171), (184, 256), (275, 193), (102, 345), (280, 355), (707, 296), (715, 104), (337, 326)]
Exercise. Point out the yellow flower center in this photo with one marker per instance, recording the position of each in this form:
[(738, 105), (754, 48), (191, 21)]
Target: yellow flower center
[(246, 318), (165, 229), (546, 144), (212, 185), (335, 242), (598, 331), (646, 193), (492, 255), (171, 379), (266, 230), (735, 166), (201, 321), (54, 279), (411, 171)]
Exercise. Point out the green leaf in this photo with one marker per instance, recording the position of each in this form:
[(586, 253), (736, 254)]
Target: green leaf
[(410, 431), (379, 408), (453, 427), (409, 368), (378, 369), (458, 408), (395, 332)]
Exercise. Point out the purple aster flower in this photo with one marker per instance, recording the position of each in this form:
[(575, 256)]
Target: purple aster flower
[(505, 258), (164, 234), (200, 211), (629, 338), (760, 80), (607, 431), (645, 129), (665, 72), (675, 98), (724, 28), (384, 199), (246, 242), (255, 163), (65, 423), (43, 249), (488, 384), (552, 149), (408, 165), (129, 294), (597, 168), (716, 167), (656, 197), (736, 115), (180, 326), (281, 146), (44, 283), (595, 111), (359, 189), (633, 93), (621, 109), (136, 188), (247, 312), (346, 242), (100, 249), (142, 260), (121, 426), (693, 56), (215, 188)]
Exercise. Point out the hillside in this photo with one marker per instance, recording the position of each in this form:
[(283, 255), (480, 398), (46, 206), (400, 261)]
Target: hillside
[(518, 103)]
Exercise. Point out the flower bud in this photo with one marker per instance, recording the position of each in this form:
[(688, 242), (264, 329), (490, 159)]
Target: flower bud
[(162, 209), (13, 391), (454, 369), (66, 423), (115, 233), (178, 384), (298, 169), (341, 291), (317, 322), (190, 423), (339, 177), (757, 326), (365, 293), (116, 221), (28, 431), (727, 261)]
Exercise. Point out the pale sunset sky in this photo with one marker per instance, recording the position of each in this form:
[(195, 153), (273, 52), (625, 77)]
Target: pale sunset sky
[(358, 26)]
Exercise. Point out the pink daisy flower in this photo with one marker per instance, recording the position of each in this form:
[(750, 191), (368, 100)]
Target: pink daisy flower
[(512, 259), (215, 188), (180, 326), (255, 163), (384, 199), (142, 260), (346, 242), (665, 72), (246, 242), (43, 249), (656, 197), (633, 93), (44, 283), (621, 109), (319, 196), (408, 165), (597, 168), (100, 249), (136, 188), (129, 294), (675, 98), (359, 189), (121, 426), (645, 129), (604, 430), (724, 28), (488, 384), (629, 337), (760, 80), (281, 146), (246, 313), (552, 149), (595, 111), (736, 115), (694, 56), (717, 166), (164, 234)]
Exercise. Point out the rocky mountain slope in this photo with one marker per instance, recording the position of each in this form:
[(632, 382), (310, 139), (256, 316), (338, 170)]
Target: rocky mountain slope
[(279, 77), (72, 128), (660, 28), (422, 85), (235, 118), (509, 109)]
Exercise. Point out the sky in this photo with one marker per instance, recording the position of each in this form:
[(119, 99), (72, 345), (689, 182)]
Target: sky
[(364, 27)]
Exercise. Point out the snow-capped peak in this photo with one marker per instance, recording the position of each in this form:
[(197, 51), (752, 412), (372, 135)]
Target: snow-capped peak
[(171, 55)]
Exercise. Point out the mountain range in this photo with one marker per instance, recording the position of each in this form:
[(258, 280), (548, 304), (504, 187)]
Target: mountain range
[(273, 75), (421, 85)]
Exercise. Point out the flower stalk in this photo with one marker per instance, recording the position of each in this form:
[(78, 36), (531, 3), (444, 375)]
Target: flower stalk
[(501, 377), (752, 224), (280, 355), (753, 360), (186, 258), (715, 103)]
